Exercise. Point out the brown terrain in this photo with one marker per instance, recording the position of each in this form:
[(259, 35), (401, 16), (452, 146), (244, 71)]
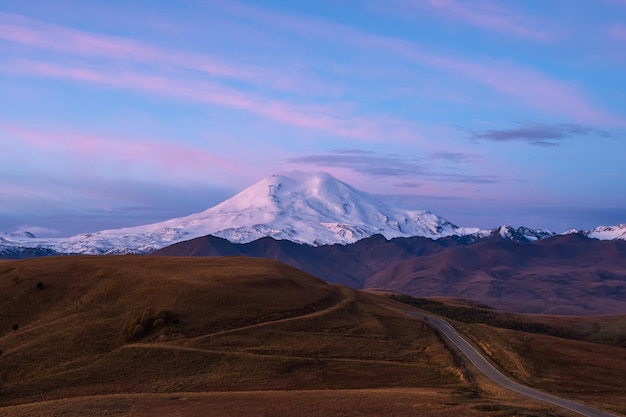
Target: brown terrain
[(562, 275), (568, 274), (161, 336)]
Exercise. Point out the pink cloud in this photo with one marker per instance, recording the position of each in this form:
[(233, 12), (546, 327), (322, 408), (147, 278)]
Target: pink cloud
[(124, 153), (320, 118), (534, 88), (488, 15), (40, 35), (618, 31)]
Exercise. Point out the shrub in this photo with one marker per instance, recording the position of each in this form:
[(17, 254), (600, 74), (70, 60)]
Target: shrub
[(141, 324), (40, 285), (15, 327)]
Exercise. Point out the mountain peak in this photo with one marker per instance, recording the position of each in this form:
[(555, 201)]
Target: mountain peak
[(276, 189), (521, 234), (307, 208), (316, 208), (608, 232)]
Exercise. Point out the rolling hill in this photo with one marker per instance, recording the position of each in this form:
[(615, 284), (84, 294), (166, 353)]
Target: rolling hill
[(153, 336), (87, 326)]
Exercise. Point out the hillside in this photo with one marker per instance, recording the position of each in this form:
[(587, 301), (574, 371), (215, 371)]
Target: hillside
[(560, 275), (149, 336), (120, 325), (566, 274), (579, 370), (549, 352), (348, 265)]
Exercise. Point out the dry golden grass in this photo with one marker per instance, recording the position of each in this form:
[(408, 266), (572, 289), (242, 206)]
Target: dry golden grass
[(310, 403), (397, 402), (246, 337), (609, 330), (242, 324), (585, 371), (589, 372)]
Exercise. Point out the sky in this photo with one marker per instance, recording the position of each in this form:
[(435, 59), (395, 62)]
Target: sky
[(117, 113)]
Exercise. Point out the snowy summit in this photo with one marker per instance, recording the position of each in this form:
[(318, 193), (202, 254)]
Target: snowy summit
[(308, 208), (317, 209)]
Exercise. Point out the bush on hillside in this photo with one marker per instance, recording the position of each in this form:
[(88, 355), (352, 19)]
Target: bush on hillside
[(142, 324)]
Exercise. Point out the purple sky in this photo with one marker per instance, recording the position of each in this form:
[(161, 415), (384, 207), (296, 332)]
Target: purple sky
[(116, 113)]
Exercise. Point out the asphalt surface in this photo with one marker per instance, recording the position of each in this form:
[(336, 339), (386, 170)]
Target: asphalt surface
[(496, 376)]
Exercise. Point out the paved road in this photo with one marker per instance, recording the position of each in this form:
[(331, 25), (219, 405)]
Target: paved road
[(492, 373)]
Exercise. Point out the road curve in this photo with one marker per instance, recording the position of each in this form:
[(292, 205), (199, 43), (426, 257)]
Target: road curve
[(498, 377)]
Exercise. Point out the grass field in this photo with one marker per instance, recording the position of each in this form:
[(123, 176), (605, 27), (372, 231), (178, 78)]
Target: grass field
[(139, 336)]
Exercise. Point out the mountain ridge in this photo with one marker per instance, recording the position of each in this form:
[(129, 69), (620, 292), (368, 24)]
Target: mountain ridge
[(306, 208), (563, 274)]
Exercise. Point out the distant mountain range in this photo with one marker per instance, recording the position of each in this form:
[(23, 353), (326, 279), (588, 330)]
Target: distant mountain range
[(306, 208), (565, 274), (329, 229)]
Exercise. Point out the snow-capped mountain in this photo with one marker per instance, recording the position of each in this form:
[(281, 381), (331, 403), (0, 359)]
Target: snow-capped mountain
[(308, 208), (317, 209), (11, 236), (521, 234), (607, 232), (314, 209)]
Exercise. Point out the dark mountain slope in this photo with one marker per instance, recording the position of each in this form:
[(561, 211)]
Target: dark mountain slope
[(343, 264), (566, 274), (561, 275)]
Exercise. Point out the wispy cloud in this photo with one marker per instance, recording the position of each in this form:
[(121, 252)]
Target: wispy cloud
[(618, 32), (408, 184), (36, 230), (489, 15), (125, 154), (74, 42), (456, 157), (534, 88), (542, 134), (316, 117), (132, 65), (390, 166), (351, 152), (373, 165)]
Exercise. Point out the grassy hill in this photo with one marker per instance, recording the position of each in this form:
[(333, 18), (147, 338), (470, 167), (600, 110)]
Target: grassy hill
[(91, 326), (156, 336)]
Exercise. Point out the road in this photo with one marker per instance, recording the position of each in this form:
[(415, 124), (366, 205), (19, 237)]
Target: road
[(483, 365)]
